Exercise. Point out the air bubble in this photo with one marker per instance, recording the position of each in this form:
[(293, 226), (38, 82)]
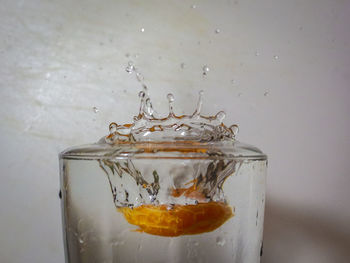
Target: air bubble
[(142, 30), (217, 31), (183, 65), (193, 6), (266, 93), (276, 57), (95, 109), (220, 241)]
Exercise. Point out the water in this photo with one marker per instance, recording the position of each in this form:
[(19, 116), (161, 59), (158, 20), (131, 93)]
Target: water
[(105, 236)]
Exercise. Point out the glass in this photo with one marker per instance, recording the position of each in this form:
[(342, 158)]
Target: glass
[(184, 201)]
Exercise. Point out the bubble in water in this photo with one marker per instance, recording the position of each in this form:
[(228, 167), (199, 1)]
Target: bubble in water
[(206, 69), (257, 53), (220, 241), (130, 68), (183, 65), (276, 57), (81, 240), (142, 30), (95, 109), (266, 93), (217, 31), (193, 6)]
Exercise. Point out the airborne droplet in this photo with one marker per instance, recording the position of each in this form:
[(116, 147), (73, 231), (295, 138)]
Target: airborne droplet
[(130, 67), (206, 69)]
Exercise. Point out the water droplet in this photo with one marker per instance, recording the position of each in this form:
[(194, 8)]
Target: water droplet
[(170, 97), (220, 241), (113, 127), (220, 116), (217, 31), (95, 109), (266, 93), (193, 6), (130, 68), (139, 76), (234, 129), (142, 94), (183, 65), (233, 81), (81, 241), (206, 69), (142, 30), (276, 57), (257, 53)]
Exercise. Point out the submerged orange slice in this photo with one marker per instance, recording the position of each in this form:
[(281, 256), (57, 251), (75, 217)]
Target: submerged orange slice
[(179, 220)]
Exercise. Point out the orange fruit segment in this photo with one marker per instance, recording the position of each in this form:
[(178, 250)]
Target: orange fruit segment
[(179, 220)]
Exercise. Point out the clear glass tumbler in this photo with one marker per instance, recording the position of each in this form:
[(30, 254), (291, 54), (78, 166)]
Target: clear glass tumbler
[(155, 202)]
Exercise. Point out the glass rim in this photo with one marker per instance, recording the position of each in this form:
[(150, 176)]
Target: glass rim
[(165, 150)]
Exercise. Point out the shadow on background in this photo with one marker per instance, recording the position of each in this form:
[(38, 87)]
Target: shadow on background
[(293, 235)]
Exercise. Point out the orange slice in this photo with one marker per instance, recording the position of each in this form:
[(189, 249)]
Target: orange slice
[(179, 220)]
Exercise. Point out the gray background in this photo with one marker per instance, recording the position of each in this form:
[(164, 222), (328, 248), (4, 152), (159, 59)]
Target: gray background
[(280, 69)]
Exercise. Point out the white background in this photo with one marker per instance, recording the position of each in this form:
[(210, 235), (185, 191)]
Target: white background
[(280, 69)]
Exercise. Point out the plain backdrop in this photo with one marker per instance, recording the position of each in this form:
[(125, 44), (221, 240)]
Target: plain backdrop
[(280, 69)]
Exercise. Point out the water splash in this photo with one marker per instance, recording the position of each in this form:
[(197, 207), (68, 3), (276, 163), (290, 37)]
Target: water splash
[(149, 126)]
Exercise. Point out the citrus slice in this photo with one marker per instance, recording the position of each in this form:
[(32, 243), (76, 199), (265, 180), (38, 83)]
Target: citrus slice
[(177, 220)]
